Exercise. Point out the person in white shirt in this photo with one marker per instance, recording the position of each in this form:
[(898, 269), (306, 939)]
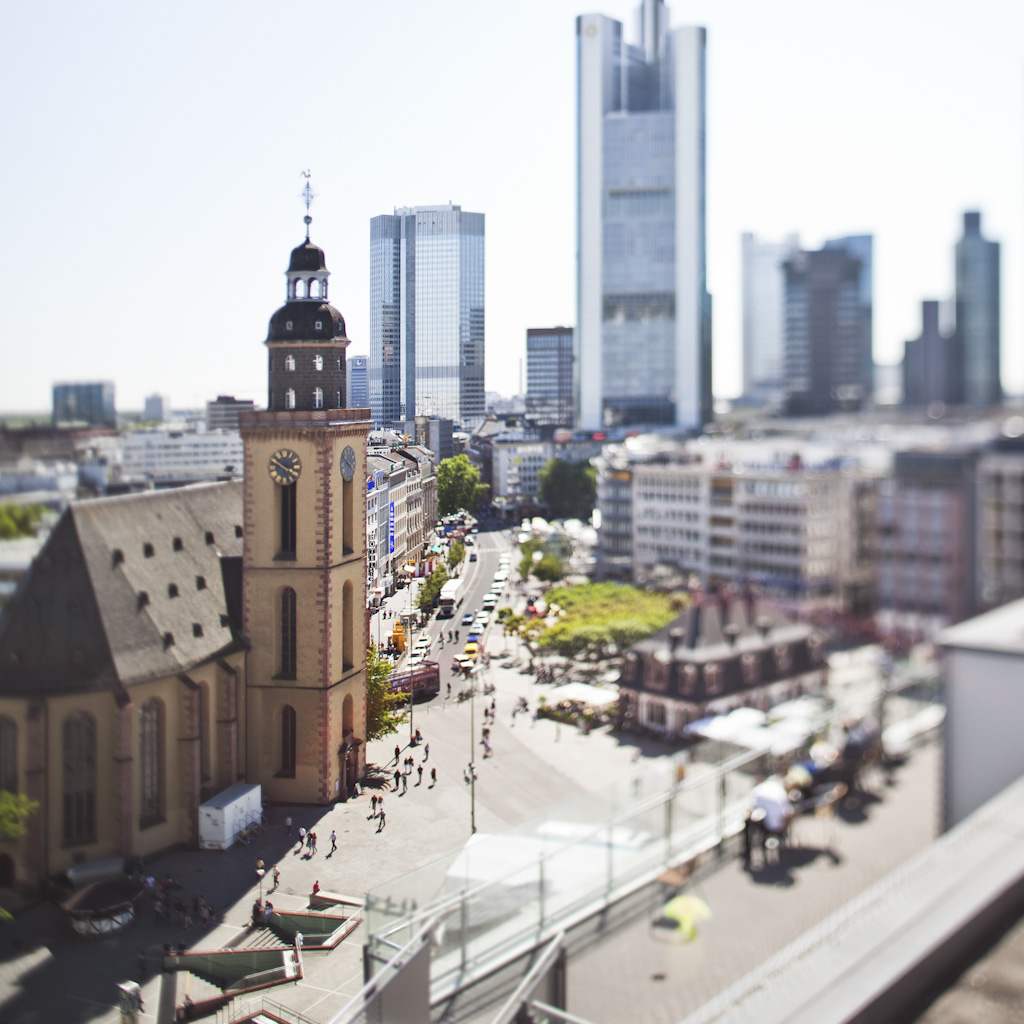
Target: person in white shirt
[(770, 812)]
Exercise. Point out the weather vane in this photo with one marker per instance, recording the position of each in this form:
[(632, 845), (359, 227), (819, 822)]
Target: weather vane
[(307, 196)]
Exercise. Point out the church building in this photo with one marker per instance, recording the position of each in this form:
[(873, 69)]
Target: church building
[(164, 646)]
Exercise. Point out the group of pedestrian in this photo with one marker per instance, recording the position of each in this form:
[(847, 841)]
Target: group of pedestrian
[(307, 840), (187, 913)]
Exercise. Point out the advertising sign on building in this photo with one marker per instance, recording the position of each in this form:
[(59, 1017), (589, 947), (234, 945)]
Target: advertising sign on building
[(391, 528)]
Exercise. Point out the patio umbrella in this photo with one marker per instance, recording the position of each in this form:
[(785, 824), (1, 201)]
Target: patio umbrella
[(686, 911)]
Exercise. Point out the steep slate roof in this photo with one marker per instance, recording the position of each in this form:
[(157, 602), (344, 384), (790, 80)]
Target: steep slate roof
[(127, 589)]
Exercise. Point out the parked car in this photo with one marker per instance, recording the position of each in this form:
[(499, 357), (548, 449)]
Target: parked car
[(474, 636), (467, 619), (471, 650), (472, 556)]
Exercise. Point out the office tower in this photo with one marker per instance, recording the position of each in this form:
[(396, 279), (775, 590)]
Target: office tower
[(643, 327), (223, 413), (156, 408), (90, 402), (764, 302), (828, 328), (549, 376), (427, 315), (977, 314), (929, 362), (358, 382)]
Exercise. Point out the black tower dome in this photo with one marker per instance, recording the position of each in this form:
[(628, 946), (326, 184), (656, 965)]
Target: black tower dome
[(306, 339), (307, 257)]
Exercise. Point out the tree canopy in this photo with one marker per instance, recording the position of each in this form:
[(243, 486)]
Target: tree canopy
[(458, 486), (547, 568), (19, 520), (595, 616), (430, 589), (383, 714), (569, 489), (14, 809), (456, 553)]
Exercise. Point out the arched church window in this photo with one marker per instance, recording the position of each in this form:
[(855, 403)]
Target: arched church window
[(289, 398), (318, 398), (79, 747), (288, 741), (8, 754), (151, 757), (289, 651)]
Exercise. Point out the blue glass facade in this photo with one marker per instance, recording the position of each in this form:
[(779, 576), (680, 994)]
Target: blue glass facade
[(643, 348), (427, 315)]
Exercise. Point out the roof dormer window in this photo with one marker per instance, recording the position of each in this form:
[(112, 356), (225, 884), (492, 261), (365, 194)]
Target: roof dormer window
[(287, 325), (319, 326)]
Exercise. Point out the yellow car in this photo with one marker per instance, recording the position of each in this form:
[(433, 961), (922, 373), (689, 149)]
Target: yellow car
[(471, 650)]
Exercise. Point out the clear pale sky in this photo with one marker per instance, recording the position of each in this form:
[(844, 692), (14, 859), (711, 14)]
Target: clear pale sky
[(152, 159)]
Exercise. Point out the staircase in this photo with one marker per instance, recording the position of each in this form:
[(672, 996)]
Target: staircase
[(197, 988)]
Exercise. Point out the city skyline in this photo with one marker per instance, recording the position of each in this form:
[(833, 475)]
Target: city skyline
[(158, 182)]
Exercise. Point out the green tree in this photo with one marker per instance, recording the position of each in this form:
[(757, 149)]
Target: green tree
[(14, 809), (19, 520), (456, 553), (458, 486), (430, 589), (383, 714), (569, 489), (548, 569)]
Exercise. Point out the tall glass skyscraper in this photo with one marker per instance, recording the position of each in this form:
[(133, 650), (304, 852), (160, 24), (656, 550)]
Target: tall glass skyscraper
[(977, 314), (427, 315), (643, 337)]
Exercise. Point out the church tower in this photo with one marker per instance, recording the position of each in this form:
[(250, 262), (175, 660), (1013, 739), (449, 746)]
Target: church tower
[(304, 561)]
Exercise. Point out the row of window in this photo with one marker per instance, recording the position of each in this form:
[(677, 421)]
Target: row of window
[(318, 361), (318, 398)]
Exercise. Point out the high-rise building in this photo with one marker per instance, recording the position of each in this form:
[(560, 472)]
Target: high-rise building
[(89, 402), (549, 376), (643, 327), (828, 358), (764, 304), (223, 413), (358, 381), (156, 408), (930, 362), (977, 314), (427, 315)]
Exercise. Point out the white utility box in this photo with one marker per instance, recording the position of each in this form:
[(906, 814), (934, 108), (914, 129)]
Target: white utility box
[(223, 816)]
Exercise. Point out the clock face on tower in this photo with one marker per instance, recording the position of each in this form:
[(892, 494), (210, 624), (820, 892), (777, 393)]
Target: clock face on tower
[(284, 467), (348, 463)]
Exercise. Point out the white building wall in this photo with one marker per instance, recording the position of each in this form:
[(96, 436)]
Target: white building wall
[(175, 455)]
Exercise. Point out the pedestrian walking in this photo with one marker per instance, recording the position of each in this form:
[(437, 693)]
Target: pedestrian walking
[(405, 783), (426, 751), (302, 837), (373, 806), (433, 777), (398, 778), (288, 824), (277, 876), (334, 840), (380, 824), (450, 686), (312, 836), (380, 805), (419, 773), (398, 753)]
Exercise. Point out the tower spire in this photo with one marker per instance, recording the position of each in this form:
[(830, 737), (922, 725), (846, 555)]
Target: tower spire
[(307, 196)]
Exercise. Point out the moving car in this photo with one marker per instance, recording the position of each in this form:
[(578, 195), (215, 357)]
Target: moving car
[(471, 650), (467, 619), (472, 556)]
